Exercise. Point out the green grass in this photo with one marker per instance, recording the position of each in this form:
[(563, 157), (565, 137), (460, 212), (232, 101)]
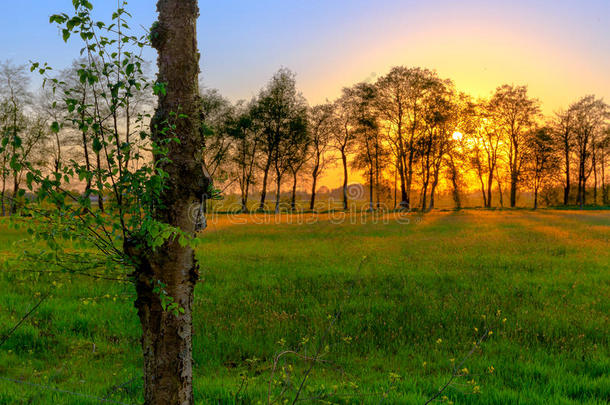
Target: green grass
[(410, 298)]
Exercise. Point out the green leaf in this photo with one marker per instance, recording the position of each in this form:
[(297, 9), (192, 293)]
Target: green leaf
[(97, 145)]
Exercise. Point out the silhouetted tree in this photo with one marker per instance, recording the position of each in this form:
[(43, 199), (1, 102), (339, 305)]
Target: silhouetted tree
[(366, 134), (297, 151), (563, 137), (400, 102), (440, 116), (590, 115), (280, 105), (216, 113), (514, 114), (344, 134), (485, 148), (320, 124), (541, 159), (245, 134)]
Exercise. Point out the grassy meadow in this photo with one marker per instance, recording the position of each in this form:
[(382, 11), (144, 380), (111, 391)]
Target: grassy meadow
[(405, 301)]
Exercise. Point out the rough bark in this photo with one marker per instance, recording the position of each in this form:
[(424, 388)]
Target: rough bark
[(166, 336)]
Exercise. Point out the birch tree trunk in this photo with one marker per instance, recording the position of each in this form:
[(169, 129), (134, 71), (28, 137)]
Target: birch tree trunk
[(166, 335)]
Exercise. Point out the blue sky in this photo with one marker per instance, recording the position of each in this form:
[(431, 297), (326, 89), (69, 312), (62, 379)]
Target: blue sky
[(561, 49)]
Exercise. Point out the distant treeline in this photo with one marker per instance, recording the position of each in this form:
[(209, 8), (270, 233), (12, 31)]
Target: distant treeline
[(411, 135)]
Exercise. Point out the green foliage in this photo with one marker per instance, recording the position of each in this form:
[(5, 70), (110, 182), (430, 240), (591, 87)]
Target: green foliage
[(128, 180), (167, 302)]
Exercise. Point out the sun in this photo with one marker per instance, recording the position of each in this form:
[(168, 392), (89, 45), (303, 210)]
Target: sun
[(457, 136)]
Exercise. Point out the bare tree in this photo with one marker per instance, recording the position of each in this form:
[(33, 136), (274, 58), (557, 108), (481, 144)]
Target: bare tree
[(14, 83), (344, 134), (590, 115), (216, 111), (514, 114), (604, 151), (320, 124), (297, 151), (541, 159), (563, 137), (367, 135), (485, 148), (401, 94), (246, 140), (440, 118), (280, 105)]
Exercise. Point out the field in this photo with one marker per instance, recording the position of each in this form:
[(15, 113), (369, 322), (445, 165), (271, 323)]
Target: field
[(411, 299)]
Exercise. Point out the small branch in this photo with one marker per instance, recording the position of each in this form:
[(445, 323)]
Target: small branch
[(456, 370), (26, 316)]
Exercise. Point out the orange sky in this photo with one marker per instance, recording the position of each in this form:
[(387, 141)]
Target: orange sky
[(559, 48)]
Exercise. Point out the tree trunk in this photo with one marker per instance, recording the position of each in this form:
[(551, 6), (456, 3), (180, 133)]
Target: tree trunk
[(406, 191), (594, 163), (513, 189), (100, 199), (3, 195), (261, 207), (293, 199), (501, 194), (581, 183), (314, 182), (432, 192), (377, 169), (482, 184), (85, 145), (603, 179), (15, 192), (278, 192), (244, 198), (395, 187), (424, 194), (566, 190), (371, 182), (490, 179), (167, 335), (345, 174), (456, 187)]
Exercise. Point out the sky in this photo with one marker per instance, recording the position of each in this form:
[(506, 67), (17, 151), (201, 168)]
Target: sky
[(559, 48)]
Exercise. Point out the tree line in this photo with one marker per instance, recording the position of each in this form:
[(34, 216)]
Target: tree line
[(409, 133)]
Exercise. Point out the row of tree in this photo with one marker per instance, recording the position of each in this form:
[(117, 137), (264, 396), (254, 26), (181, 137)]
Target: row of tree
[(409, 133), (415, 130)]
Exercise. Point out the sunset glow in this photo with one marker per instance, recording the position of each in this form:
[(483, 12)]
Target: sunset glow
[(304, 202)]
